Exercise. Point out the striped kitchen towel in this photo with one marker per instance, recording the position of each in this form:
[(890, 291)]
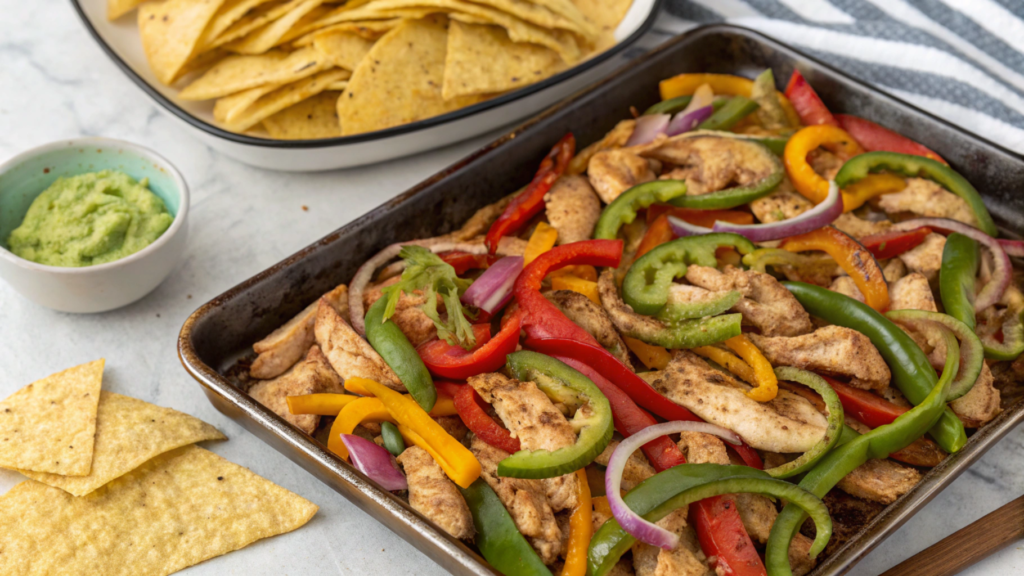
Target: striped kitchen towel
[(962, 60)]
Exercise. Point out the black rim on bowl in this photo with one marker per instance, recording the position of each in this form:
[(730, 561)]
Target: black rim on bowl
[(459, 114)]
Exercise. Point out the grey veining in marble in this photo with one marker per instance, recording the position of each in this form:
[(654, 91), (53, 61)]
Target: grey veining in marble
[(56, 83)]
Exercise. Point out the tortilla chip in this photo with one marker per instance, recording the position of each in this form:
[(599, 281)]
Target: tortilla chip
[(367, 29), (50, 425), (170, 32), (400, 80), (118, 8), (313, 118), (174, 511), (338, 86), (606, 16), (539, 16), (273, 33), (343, 49), (348, 13), (232, 11), (229, 107), (569, 10), (237, 73), (253, 20), (483, 60), (284, 97), (130, 432)]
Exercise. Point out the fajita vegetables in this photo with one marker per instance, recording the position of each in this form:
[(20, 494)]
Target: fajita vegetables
[(734, 312)]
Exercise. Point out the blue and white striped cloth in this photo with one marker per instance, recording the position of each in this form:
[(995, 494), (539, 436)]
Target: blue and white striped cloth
[(962, 60)]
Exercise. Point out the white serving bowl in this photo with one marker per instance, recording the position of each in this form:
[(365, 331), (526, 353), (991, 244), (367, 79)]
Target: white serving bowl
[(103, 286)]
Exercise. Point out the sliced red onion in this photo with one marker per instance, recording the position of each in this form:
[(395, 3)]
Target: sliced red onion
[(494, 286), (630, 521), (375, 462), (992, 292), (1013, 248), (647, 128), (686, 121), (702, 96)]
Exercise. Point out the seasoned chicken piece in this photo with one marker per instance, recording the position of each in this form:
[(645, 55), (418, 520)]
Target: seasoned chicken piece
[(833, 350), (532, 418), (412, 321), (928, 199), (858, 227), (845, 285), (572, 208), (637, 467), (453, 426), (718, 398), (616, 138), (881, 481), (686, 560), (782, 204), (591, 318), (525, 501), (432, 494), (926, 258), (283, 347), (348, 353), (894, 269), (622, 315), (766, 304), (912, 292), (709, 162), (612, 172), (311, 376), (701, 448), (981, 404), (825, 163)]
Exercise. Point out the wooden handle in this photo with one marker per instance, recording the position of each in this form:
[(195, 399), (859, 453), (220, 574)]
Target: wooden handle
[(967, 545)]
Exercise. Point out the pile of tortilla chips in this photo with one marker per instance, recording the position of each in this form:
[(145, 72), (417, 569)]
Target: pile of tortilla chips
[(306, 69), (119, 487)]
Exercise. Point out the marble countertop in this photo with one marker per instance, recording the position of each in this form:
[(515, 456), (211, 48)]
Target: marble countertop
[(56, 83)]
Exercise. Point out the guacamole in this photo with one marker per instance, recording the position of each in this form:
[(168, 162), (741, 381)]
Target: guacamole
[(90, 219)]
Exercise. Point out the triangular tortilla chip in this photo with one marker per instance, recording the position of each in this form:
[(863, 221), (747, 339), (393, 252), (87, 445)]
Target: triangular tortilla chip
[(254, 19), (314, 118), (170, 32), (606, 16), (174, 511), (50, 425), (368, 29), (128, 433), (272, 34), (344, 49), (118, 8), (284, 97), (483, 60), (231, 12), (237, 73), (228, 108)]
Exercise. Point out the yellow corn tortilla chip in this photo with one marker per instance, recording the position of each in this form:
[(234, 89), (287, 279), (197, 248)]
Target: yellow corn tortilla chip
[(368, 29), (315, 117), (283, 97), (571, 11), (483, 60), (399, 81), (170, 32), (118, 8), (229, 107), (253, 20), (539, 16), (342, 48), (237, 73), (360, 12), (129, 432), (174, 511), (338, 85), (232, 11), (50, 425), (606, 16), (273, 33)]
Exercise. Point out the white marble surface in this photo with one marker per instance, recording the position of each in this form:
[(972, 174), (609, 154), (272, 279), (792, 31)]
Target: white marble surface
[(56, 83)]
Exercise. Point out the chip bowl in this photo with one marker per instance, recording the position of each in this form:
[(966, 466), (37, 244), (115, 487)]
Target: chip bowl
[(104, 286)]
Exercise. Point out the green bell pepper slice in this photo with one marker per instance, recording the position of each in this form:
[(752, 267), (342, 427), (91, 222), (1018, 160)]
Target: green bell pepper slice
[(737, 195), (735, 109), (623, 209), (960, 259), (680, 486), (918, 166), (497, 537), (390, 342), (393, 441), (833, 428), (972, 354), (646, 284), (674, 312), (567, 386), (1013, 338)]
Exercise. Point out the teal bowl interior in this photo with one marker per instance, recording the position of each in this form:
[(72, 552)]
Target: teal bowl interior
[(28, 178)]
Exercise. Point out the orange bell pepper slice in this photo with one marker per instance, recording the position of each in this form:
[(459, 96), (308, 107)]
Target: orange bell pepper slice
[(727, 84), (580, 528), (543, 239), (320, 404), (764, 375), (856, 194), (806, 181), (855, 259), (585, 287), (584, 271), (729, 361), (654, 357)]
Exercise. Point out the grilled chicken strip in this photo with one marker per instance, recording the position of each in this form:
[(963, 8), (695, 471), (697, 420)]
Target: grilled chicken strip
[(782, 204), (928, 199), (593, 319), (532, 418), (893, 270), (283, 347), (412, 321), (881, 481), (833, 350), (348, 353), (718, 398), (686, 560), (926, 257), (616, 138), (709, 162), (858, 227), (612, 172), (912, 292), (525, 501), (311, 376), (637, 467), (573, 208), (432, 494), (846, 286), (766, 304), (981, 404)]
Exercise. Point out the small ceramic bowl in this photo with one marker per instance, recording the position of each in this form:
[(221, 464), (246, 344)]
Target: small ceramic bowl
[(103, 286)]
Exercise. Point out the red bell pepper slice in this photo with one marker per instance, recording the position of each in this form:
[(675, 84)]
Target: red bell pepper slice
[(869, 408), (470, 407), (464, 261), (891, 244), (447, 361), (808, 104), (542, 319), (724, 540), (873, 137), (531, 201)]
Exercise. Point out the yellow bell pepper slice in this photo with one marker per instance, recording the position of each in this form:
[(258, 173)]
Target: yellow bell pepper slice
[(320, 404), (585, 287), (727, 84), (806, 181), (352, 415), (729, 361), (767, 384), (543, 239), (601, 505), (856, 194), (455, 459), (584, 271), (654, 357), (580, 528)]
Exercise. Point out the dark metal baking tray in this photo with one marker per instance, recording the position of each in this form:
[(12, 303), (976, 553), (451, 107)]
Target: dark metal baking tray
[(223, 330)]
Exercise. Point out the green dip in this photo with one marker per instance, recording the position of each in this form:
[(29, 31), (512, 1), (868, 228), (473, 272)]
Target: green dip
[(90, 219)]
